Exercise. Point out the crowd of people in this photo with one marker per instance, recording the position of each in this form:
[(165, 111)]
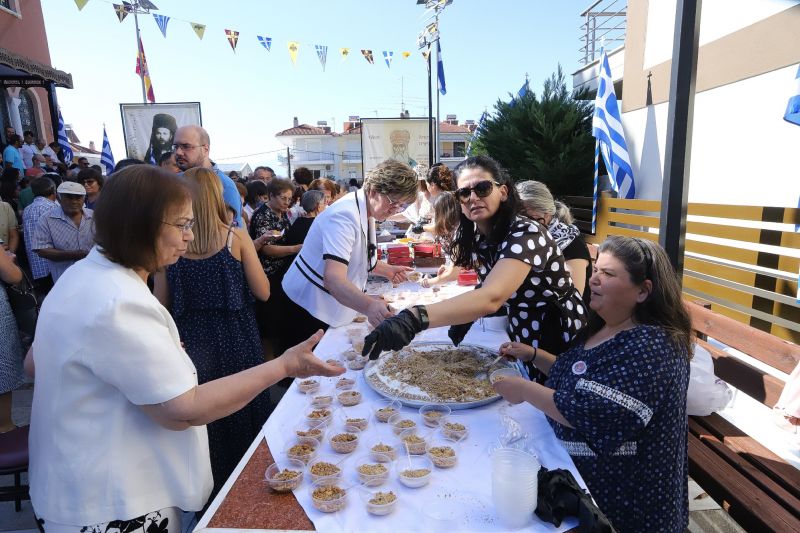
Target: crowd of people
[(174, 295)]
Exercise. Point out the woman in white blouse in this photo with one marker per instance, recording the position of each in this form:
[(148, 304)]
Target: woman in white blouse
[(118, 421)]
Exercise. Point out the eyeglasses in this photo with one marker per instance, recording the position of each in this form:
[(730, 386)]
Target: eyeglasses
[(186, 227), (395, 205), (482, 190), (185, 146)]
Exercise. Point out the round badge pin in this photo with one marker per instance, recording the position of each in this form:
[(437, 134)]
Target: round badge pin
[(579, 367)]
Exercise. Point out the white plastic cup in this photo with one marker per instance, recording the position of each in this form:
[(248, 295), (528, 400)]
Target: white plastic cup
[(514, 486)]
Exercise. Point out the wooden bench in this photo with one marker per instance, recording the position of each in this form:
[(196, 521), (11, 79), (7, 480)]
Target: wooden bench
[(758, 489)]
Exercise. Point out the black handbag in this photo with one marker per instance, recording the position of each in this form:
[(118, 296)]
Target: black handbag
[(25, 306)]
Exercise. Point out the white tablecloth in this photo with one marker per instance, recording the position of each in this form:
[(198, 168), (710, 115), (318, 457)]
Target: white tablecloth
[(466, 486)]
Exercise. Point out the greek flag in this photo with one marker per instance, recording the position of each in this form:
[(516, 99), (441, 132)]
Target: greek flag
[(63, 141), (266, 42), (440, 68), (476, 133), (525, 89), (162, 22), (107, 158), (607, 129), (792, 115), (322, 54)]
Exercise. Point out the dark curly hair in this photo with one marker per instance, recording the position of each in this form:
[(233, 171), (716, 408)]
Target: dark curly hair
[(464, 241)]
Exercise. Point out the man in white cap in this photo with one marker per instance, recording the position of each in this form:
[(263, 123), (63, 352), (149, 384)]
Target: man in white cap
[(65, 234)]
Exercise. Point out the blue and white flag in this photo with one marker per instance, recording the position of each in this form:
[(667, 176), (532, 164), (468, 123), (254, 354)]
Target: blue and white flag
[(525, 89), (63, 141), (266, 42), (440, 68), (476, 132), (107, 158), (792, 113), (607, 129), (322, 54), (387, 56), (162, 21)]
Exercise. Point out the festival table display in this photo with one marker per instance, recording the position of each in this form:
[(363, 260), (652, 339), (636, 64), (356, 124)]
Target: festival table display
[(446, 487)]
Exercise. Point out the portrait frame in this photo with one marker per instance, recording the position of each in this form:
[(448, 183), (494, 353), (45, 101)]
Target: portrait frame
[(137, 123), (376, 143)]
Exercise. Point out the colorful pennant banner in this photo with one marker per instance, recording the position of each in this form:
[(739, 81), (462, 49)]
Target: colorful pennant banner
[(322, 54), (81, 4), (406, 54), (233, 38), (426, 54), (144, 73), (344, 52), (368, 56), (162, 22), (387, 56), (293, 47), (121, 10), (199, 29), (266, 42)]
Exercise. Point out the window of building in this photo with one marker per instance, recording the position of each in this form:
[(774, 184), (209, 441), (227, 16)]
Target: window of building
[(459, 149), (10, 5), (5, 119), (27, 113)]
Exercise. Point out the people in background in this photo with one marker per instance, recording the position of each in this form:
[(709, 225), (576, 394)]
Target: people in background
[(92, 181), (256, 196), (9, 234), (44, 199), (243, 194), (11, 154), (263, 174), (313, 203), (539, 205), (446, 214), (209, 292), (65, 234), (116, 396), (167, 162), (28, 149), (616, 399), (11, 375), (328, 187), (303, 177)]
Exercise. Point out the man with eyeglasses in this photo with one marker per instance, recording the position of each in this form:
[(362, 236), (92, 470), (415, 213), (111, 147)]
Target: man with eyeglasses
[(65, 234), (191, 148)]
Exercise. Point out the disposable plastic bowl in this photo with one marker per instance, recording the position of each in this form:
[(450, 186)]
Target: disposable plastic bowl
[(443, 452), (385, 409), (326, 462), (328, 495), (303, 449), (501, 373), (286, 484), (371, 498), (355, 416), (401, 422), (415, 471), (373, 470), (413, 441), (345, 441), (432, 414), (380, 448)]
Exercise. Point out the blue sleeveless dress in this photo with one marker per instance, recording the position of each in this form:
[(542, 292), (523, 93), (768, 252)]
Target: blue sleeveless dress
[(213, 308)]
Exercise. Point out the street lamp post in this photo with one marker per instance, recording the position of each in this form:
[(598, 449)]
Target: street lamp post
[(426, 39), (140, 7)]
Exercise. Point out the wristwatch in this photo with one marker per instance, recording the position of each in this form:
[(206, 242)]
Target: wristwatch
[(423, 316)]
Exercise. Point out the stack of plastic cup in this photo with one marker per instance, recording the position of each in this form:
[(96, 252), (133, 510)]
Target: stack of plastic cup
[(514, 486)]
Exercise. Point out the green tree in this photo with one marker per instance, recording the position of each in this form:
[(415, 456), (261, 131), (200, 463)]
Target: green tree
[(547, 138)]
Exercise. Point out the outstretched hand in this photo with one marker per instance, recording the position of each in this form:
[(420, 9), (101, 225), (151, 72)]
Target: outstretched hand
[(392, 334), (299, 361)]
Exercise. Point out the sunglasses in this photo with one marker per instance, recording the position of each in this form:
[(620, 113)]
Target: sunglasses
[(482, 190)]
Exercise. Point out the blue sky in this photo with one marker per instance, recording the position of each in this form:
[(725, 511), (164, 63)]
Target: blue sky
[(250, 95)]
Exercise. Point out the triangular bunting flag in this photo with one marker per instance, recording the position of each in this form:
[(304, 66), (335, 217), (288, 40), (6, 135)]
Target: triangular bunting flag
[(199, 29), (162, 21), (266, 42), (387, 56), (406, 54), (426, 54), (344, 52), (81, 3), (294, 47), (322, 54), (368, 56), (122, 11), (233, 38)]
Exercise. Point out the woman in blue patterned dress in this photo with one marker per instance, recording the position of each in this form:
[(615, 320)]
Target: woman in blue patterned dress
[(209, 292), (11, 375), (617, 398)]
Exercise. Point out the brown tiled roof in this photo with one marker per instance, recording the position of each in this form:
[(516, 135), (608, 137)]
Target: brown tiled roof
[(303, 129), (446, 127), (83, 149)]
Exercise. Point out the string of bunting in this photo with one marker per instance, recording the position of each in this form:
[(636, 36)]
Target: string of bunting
[(125, 8)]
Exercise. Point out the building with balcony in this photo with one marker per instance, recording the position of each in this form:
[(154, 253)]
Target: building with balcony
[(742, 151), (338, 155), (27, 79)]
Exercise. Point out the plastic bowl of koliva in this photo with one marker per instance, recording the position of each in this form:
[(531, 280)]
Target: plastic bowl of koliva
[(308, 386), (318, 469), (379, 501), (328, 495), (385, 409), (315, 415), (502, 373), (414, 471), (432, 414), (378, 449), (345, 446), (285, 475), (453, 427), (401, 422), (435, 449), (316, 431), (355, 416), (302, 448), (413, 441), (373, 470)]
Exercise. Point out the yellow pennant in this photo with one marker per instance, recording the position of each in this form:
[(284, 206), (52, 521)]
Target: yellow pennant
[(294, 47), (199, 29), (344, 52), (406, 54), (81, 3), (425, 54)]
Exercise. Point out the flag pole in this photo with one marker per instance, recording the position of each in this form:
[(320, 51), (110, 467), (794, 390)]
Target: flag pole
[(139, 49)]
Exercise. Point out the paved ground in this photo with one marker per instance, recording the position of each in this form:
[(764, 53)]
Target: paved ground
[(705, 515)]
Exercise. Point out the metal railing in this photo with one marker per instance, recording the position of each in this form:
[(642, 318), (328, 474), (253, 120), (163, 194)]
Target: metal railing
[(604, 25)]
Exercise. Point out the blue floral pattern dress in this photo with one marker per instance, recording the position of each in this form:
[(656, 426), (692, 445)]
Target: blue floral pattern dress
[(626, 401), (213, 308), (11, 373)]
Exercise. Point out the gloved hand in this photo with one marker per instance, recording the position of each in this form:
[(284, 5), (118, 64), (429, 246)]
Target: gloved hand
[(457, 332), (417, 228), (392, 334)]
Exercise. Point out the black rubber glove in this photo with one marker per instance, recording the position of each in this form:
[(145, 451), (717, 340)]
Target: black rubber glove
[(458, 332), (417, 228), (392, 334)]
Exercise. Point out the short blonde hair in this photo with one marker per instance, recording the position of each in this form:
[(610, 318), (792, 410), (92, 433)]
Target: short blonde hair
[(209, 209), (392, 178)]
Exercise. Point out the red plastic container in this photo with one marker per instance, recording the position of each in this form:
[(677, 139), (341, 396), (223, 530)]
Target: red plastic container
[(467, 277)]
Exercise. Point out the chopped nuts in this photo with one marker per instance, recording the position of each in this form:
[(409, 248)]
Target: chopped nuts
[(286, 474), (372, 469), (318, 414), (301, 450), (349, 398), (311, 433), (323, 469), (309, 385), (329, 498), (415, 473), (344, 437), (383, 498), (360, 423), (384, 413), (454, 426)]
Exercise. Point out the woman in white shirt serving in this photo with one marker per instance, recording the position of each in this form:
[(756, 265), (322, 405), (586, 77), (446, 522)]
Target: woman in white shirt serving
[(325, 283), (118, 421)]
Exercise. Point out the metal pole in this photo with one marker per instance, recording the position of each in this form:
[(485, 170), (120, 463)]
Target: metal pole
[(430, 115), (288, 164), (139, 50), (438, 119), (678, 153), (52, 101)]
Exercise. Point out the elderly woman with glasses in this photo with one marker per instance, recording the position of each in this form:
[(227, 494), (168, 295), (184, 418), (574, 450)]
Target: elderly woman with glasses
[(519, 265), (325, 283)]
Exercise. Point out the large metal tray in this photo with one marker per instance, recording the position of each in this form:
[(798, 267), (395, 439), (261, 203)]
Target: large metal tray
[(486, 353)]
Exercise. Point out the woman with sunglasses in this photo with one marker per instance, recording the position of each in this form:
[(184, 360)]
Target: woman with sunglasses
[(519, 265), (617, 398), (325, 283)]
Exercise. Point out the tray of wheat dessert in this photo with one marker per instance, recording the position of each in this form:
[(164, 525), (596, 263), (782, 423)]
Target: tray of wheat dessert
[(424, 373)]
